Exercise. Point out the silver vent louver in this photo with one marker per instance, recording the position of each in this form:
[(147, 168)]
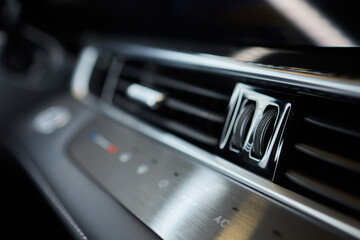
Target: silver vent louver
[(174, 99)]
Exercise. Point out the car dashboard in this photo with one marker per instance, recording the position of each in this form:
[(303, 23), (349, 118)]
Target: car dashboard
[(153, 138)]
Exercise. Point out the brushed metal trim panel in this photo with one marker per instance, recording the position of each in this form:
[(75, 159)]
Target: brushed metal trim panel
[(179, 199)]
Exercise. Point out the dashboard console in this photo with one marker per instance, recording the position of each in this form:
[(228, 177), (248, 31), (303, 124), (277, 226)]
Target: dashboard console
[(205, 146)]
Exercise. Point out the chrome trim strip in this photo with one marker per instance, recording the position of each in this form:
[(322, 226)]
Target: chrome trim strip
[(291, 199), (280, 125), (284, 120), (82, 74), (111, 80), (336, 85), (241, 94), (233, 108)]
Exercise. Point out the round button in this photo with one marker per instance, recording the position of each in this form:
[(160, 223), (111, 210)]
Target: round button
[(51, 119), (124, 157), (163, 183)]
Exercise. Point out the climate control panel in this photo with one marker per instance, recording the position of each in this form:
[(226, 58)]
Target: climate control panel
[(176, 196)]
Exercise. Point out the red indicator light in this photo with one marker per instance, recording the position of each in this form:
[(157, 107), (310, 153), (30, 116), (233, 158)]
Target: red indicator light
[(112, 149)]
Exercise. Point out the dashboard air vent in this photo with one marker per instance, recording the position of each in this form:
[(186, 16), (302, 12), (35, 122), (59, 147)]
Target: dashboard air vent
[(324, 163), (187, 103), (99, 73)]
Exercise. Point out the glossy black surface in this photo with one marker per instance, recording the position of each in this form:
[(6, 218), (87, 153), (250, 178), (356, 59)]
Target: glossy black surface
[(262, 22), (302, 60)]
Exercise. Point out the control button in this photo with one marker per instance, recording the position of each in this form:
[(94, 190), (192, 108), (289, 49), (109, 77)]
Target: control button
[(125, 157), (103, 142), (163, 183), (189, 200), (142, 169), (51, 119), (112, 149)]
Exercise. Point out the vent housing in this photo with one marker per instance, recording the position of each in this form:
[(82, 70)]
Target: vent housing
[(194, 105), (323, 162), (319, 155), (100, 72)]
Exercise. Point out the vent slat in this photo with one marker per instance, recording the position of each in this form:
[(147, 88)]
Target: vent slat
[(177, 85), (323, 162), (167, 123), (331, 126), (328, 157), (132, 72), (323, 189), (181, 106), (193, 133), (192, 107), (197, 111), (136, 73)]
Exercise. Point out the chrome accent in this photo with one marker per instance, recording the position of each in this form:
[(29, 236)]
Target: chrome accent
[(112, 79), (278, 133), (234, 106), (51, 119), (243, 93), (83, 70), (334, 85), (145, 95), (283, 119)]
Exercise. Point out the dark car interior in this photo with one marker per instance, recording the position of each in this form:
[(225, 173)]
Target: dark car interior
[(179, 119)]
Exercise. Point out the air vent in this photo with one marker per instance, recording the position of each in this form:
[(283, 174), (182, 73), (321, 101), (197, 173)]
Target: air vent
[(325, 163), (190, 104), (99, 73)]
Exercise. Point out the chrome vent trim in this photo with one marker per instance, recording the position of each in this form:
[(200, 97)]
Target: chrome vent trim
[(241, 94), (334, 85), (82, 75)]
